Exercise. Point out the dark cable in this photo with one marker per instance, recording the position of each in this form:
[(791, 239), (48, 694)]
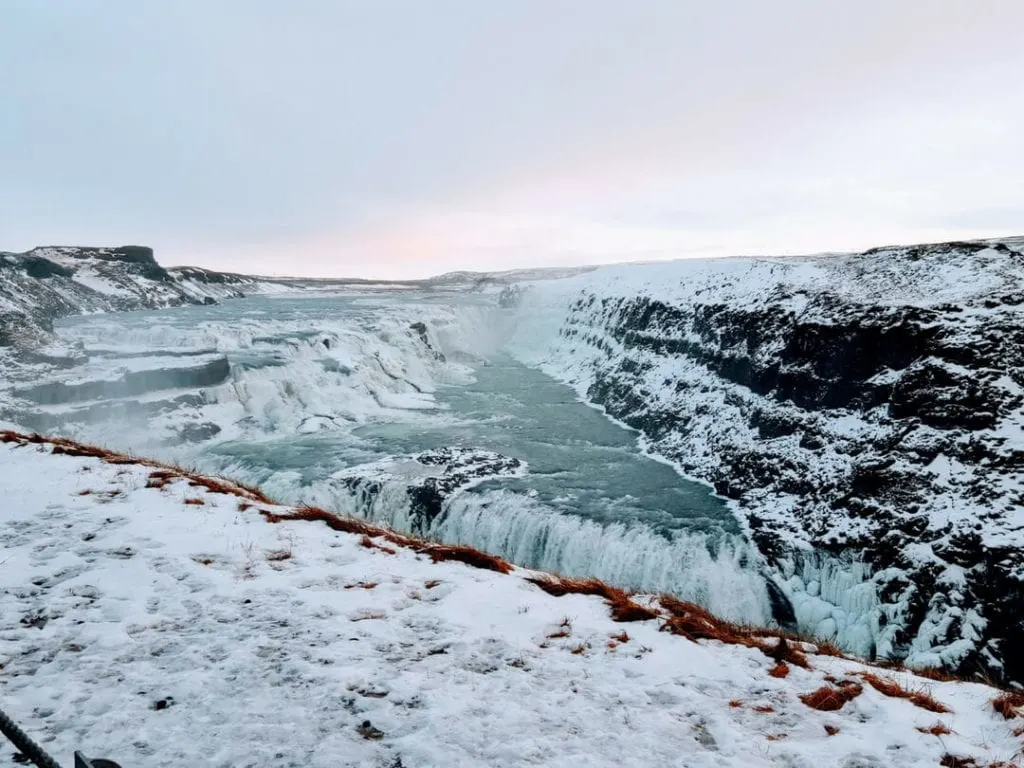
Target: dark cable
[(21, 740)]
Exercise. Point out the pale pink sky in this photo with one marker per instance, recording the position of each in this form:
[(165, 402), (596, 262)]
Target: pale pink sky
[(402, 139)]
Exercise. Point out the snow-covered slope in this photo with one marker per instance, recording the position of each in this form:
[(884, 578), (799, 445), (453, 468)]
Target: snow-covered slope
[(855, 407), (161, 619), (45, 283)]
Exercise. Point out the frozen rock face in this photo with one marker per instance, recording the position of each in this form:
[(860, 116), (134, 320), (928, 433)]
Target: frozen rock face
[(867, 404), (45, 283), (421, 484)]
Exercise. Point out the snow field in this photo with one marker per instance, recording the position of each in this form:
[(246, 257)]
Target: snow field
[(170, 626)]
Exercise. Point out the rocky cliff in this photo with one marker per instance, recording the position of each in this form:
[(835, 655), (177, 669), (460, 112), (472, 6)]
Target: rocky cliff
[(43, 284), (857, 409)]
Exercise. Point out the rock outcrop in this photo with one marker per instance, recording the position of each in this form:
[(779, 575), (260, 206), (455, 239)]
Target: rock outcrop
[(425, 480), (43, 284)]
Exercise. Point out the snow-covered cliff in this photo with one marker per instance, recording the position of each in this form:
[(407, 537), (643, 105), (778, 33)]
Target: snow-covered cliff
[(40, 285), (864, 412)]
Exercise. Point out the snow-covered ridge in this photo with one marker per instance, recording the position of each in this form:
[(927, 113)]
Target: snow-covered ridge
[(861, 406), (160, 618), (48, 282)]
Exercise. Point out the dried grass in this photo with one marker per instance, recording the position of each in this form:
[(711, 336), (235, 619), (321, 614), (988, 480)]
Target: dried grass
[(437, 552), (1009, 704), (696, 623), (362, 585), (939, 729), (780, 670), (953, 761), (889, 687), (829, 648), (937, 674), (474, 557), (831, 730), (622, 608), (369, 543), (195, 502), (830, 698)]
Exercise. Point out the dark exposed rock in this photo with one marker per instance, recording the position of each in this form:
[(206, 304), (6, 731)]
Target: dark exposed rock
[(421, 331), (511, 296), (429, 478), (40, 268)]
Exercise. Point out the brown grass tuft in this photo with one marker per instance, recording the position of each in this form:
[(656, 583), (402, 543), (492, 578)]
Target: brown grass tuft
[(735, 703), (622, 608), (230, 487), (579, 650), (431, 583), (889, 687), (621, 637), (696, 623), (160, 478), (764, 709), (557, 634), (362, 585), (443, 552), (831, 730), (939, 729), (776, 736), (780, 670), (831, 699), (366, 541), (786, 650), (195, 502), (829, 648), (277, 555), (1009, 704), (560, 587), (953, 761), (937, 674)]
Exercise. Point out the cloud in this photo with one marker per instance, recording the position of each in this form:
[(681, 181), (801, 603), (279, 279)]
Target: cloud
[(399, 137)]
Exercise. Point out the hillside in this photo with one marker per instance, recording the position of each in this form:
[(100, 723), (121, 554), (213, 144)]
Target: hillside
[(164, 619), (40, 285)]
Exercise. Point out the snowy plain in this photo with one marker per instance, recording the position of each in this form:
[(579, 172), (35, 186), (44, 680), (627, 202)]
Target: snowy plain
[(176, 626)]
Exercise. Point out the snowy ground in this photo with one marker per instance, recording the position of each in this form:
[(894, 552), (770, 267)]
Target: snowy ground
[(170, 626)]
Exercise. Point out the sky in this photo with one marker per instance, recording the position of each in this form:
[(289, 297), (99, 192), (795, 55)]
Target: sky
[(394, 138)]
